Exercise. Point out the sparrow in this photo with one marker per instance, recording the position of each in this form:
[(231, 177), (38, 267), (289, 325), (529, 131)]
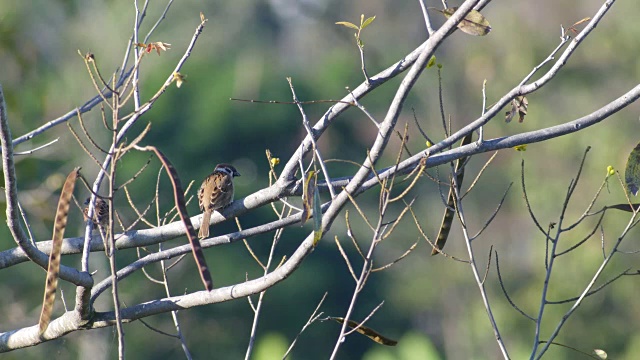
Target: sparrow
[(100, 219), (215, 193), (100, 213)]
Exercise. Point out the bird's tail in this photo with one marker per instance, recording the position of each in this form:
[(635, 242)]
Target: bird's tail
[(204, 225)]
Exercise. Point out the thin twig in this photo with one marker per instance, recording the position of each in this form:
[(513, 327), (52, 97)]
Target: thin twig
[(506, 294), (307, 126), (31, 151), (384, 267), (311, 320), (425, 14)]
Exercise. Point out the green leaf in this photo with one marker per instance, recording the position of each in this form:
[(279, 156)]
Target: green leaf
[(317, 235), (348, 24), (432, 61), (632, 171), (625, 207), (367, 22), (317, 216)]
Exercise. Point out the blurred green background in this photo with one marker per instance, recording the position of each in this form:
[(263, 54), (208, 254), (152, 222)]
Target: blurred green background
[(248, 48)]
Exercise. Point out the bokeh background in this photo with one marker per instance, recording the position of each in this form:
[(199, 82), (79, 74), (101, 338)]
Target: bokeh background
[(432, 305)]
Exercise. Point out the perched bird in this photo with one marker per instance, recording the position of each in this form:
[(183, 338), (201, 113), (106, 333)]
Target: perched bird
[(100, 213), (100, 220), (215, 193)]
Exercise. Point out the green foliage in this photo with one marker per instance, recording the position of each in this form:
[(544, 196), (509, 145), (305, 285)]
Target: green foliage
[(363, 24), (432, 61), (197, 126), (270, 346)]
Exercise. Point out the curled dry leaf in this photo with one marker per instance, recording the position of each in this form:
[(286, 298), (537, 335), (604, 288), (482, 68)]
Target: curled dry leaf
[(307, 197), (473, 24), (573, 28), (157, 46), (519, 105)]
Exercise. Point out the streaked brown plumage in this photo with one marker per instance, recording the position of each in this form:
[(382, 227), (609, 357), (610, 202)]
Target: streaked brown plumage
[(100, 220), (100, 213), (215, 193)]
